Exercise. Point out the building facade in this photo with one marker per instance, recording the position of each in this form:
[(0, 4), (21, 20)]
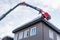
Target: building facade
[(38, 29)]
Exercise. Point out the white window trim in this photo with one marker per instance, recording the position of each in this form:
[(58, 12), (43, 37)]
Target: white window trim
[(25, 33), (20, 35), (15, 36), (51, 34), (58, 37), (32, 34)]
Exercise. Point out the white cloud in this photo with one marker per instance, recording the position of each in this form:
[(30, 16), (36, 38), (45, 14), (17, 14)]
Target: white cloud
[(4, 8), (6, 30), (51, 3)]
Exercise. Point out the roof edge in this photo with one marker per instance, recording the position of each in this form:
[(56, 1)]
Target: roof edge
[(39, 19)]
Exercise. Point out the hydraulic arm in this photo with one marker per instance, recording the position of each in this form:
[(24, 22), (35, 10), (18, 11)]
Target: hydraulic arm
[(44, 14)]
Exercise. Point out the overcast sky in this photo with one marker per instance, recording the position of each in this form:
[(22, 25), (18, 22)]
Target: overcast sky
[(23, 14)]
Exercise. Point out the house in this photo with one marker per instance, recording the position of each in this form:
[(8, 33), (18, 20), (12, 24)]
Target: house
[(7, 38), (37, 29)]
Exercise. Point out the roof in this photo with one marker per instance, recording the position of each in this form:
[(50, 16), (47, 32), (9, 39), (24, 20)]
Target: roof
[(7, 38), (37, 20)]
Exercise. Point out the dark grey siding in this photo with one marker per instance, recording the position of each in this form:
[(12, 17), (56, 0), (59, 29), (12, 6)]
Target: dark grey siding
[(39, 34), (46, 32), (42, 32)]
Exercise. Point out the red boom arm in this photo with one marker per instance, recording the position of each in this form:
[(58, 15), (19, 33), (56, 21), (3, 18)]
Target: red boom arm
[(44, 14)]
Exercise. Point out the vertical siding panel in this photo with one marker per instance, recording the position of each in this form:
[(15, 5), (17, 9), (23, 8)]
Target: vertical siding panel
[(46, 32)]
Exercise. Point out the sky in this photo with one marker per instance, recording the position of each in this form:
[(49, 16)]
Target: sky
[(23, 14)]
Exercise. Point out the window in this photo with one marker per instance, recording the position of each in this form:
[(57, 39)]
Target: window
[(20, 35), (15, 36), (51, 34), (33, 31), (58, 37), (26, 33)]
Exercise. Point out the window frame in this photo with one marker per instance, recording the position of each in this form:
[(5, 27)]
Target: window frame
[(58, 37), (16, 36), (26, 33), (20, 35), (51, 34), (32, 31)]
